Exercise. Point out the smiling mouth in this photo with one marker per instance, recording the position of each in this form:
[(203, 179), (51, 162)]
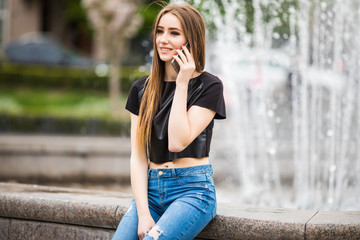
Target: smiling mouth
[(165, 49)]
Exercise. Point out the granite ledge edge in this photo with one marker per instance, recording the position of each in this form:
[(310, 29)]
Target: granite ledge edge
[(222, 224)]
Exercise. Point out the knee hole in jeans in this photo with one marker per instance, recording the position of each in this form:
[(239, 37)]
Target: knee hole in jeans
[(155, 232)]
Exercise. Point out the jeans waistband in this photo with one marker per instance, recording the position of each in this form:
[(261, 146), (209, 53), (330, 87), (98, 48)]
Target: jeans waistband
[(173, 172)]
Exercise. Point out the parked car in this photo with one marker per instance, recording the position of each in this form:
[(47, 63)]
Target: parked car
[(44, 51)]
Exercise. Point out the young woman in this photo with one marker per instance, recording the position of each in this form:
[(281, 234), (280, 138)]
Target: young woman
[(172, 117)]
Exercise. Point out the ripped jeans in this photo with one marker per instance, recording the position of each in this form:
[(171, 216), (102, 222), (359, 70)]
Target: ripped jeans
[(182, 202)]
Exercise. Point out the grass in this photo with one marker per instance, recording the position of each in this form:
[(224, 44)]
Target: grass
[(60, 103)]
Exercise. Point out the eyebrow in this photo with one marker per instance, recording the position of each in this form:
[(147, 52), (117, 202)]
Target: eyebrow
[(172, 28)]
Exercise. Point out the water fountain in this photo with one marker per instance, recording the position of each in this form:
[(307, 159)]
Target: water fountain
[(292, 88)]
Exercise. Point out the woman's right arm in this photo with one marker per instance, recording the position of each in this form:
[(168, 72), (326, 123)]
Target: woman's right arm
[(139, 181)]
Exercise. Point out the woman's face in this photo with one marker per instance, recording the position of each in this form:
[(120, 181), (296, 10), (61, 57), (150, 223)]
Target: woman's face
[(169, 36)]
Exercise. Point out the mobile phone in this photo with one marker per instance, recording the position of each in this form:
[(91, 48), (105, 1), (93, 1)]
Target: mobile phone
[(174, 62)]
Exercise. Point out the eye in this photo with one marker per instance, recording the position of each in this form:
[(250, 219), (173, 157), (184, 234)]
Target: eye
[(159, 31), (175, 33)]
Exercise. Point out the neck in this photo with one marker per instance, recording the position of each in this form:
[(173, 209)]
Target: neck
[(170, 73)]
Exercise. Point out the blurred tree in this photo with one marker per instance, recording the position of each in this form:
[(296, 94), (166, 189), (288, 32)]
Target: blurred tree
[(114, 22), (79, 28)]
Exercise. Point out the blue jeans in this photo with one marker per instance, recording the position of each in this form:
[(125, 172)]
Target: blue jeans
[(182, 202)]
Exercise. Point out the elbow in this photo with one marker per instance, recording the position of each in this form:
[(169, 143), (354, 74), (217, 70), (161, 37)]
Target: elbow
[(176, 147)]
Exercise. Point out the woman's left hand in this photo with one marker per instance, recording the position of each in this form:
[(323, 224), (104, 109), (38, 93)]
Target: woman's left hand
[(187, 65)]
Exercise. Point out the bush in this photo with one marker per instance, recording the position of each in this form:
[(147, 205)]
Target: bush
[(68, 126), (63, 77)]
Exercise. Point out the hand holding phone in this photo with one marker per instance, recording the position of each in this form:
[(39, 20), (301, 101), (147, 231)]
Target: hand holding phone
[(174, 62)]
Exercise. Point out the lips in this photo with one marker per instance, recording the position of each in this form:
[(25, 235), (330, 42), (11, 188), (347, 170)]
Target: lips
[(165, 49)]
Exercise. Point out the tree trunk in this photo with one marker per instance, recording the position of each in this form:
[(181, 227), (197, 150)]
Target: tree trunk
[(114, 87)]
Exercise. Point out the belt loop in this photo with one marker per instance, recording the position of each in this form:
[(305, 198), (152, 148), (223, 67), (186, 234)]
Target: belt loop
[(173, 172)]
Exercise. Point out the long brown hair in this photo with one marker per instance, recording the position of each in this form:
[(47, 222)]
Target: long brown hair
[(194, 30)]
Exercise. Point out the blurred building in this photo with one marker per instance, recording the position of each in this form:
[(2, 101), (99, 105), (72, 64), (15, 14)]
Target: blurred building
[(3, 21), (19, 18)]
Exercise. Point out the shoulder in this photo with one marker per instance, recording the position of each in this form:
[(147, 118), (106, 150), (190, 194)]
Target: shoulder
[(210, 80), (208, 93), (135, 95), (137, 89), (140, 83)]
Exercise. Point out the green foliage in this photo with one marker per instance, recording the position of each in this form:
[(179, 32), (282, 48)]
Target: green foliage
[(42, 110), (63, 77), (275, 12), (59, 103), (38, 99), (75, 15), (279, 14), (249, 12), (49, 125), (220, 11), (47, 110)]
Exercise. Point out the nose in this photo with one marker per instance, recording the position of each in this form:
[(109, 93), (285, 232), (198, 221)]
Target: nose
[(164, 38)]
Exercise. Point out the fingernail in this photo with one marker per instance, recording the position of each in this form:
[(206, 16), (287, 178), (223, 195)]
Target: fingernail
[(176, 49), (183, 45)]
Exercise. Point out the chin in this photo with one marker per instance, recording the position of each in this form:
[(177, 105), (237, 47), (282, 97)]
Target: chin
[(166, 59)]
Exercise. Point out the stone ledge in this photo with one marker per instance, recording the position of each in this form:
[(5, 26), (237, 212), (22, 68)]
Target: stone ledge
[(62, 205), (97, 213), (334, 225), (36, 230)]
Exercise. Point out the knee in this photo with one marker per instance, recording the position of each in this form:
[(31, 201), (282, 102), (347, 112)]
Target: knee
[(154, 233)]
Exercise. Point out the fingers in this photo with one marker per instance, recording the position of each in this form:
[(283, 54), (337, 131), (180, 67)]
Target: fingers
[(181, 56), (186, 63), (187, 52), (177, 58), (142, 234), (184, 55)]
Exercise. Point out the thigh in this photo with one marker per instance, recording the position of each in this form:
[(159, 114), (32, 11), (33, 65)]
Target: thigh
[(184, 218), (128, 226)]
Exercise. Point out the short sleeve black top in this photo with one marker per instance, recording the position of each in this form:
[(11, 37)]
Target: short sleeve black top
[(205, 90)]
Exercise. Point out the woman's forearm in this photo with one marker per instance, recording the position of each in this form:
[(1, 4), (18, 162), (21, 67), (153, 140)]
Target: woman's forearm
[(179, 127), (185, 124), (138, 170), (139, 184)]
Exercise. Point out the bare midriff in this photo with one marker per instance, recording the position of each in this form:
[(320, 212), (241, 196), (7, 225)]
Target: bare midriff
[(181, 163)]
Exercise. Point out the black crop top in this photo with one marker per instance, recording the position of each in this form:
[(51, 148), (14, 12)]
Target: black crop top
[(206, 90)]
